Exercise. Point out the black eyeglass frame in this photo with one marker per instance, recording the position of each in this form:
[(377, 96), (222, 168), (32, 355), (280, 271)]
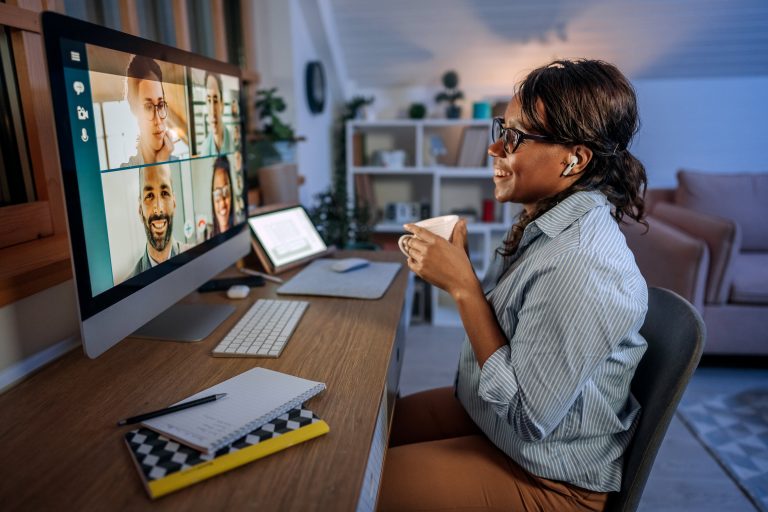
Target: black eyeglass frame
[(519, 136), (161, 106)]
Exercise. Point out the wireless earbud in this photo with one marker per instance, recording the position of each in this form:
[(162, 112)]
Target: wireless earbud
[(573, 160)]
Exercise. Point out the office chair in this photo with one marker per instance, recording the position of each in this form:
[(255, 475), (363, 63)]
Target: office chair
[(675, 334)]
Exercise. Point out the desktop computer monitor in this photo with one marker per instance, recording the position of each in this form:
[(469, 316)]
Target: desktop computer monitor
[(149, 139)]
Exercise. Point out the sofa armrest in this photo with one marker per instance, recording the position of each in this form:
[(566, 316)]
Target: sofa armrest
[(723, 238), (654, 196), (669, 258)]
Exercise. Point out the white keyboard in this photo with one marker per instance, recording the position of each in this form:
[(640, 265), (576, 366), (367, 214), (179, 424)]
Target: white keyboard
[(264, 330)]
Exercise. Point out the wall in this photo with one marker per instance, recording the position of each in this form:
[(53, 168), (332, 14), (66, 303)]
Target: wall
[(285, 43), (315, 155), (714, 125), (36, 326)]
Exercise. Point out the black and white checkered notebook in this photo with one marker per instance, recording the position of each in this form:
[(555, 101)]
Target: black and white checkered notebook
[(166, 466)]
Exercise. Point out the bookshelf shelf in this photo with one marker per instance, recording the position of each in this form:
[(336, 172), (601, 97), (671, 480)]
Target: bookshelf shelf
[(427, 181)]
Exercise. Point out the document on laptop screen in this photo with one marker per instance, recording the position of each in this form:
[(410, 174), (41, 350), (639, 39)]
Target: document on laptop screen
[(286, 235)]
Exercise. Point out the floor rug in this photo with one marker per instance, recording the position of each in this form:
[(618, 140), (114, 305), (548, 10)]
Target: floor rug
[(734, 429)]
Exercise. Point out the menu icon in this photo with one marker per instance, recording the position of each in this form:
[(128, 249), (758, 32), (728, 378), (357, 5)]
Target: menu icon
[(75, 56)]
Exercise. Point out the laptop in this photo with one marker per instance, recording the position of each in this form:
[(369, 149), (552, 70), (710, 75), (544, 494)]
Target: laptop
[(284, 237)]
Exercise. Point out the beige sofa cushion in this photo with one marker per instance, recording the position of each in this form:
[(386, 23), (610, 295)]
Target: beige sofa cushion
[(750, 279), (740, 197)]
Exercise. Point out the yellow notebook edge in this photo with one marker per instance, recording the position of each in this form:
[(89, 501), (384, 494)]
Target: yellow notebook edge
[(205, 470)]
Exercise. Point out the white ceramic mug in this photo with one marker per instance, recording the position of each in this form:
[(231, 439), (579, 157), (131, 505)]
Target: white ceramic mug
[(441, 226)]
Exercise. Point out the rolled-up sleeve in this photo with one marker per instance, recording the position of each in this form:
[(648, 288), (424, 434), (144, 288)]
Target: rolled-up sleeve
[(575, 312)]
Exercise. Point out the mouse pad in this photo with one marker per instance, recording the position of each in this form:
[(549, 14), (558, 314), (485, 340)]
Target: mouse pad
[(317, 278)]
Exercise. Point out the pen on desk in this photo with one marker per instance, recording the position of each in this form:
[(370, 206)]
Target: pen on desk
[(168, 410), (268, 277)]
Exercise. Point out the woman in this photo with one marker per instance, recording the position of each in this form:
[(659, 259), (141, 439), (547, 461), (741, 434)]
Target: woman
[(218, 140), (542, 413), (221, 196), (146, 99)]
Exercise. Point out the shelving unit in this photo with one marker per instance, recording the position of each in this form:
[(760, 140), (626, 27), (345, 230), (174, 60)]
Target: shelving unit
[(415, 163)]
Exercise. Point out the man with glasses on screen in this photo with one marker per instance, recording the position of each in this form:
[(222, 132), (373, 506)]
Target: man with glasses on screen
[(146, 98), (157, 205)]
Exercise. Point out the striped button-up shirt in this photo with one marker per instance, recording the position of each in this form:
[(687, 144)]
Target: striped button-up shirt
[(571, 300)]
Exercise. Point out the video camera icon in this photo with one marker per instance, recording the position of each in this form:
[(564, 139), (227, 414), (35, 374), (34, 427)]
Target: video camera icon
[(82, 113)]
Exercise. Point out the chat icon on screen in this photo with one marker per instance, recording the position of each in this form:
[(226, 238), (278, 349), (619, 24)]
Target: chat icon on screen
[(79, 88)]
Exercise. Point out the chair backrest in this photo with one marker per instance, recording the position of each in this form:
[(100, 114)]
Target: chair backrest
[(675, 334)]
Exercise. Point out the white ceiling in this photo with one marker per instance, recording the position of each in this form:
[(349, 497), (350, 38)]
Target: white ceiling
[(395, 43)]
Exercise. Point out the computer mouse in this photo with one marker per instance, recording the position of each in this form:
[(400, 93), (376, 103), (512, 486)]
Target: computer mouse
[(348, 264), (238, 291)]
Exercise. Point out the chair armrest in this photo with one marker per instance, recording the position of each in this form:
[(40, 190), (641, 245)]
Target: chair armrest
[(669, 258), (723, 238)]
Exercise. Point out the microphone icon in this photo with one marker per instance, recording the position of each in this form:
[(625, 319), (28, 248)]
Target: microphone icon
[(84, 136)]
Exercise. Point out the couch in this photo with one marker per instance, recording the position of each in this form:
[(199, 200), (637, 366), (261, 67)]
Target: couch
[(708, 241)]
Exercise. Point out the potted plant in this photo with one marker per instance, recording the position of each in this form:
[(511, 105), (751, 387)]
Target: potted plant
[(417, 111), (357, 108), (451, 95), (274, 130)]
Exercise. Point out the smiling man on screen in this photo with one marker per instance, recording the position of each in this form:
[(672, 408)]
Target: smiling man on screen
[(157, 204)]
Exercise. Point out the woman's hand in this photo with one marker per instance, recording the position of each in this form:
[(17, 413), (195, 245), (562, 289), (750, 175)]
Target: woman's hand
[(164, 153), (440, 262)]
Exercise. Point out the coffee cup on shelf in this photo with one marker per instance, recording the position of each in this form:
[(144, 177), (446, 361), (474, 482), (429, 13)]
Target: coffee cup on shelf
[(441, 226)]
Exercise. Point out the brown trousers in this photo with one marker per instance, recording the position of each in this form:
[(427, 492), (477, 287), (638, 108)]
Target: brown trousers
[(439, 459)]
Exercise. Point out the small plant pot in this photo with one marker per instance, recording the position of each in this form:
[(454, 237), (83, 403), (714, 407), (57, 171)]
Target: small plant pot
[(453, 112)]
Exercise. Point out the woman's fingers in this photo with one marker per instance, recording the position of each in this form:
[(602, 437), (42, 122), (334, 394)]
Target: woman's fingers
[(421, 233)]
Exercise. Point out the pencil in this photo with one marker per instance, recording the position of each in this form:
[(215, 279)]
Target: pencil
[(168, 410)]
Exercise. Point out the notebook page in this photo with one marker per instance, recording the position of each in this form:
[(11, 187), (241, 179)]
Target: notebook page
[(253, 398)]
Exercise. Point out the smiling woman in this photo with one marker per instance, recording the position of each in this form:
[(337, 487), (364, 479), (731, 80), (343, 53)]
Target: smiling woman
[(541, 414)]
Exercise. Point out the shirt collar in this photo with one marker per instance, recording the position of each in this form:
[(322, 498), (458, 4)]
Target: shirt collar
[(570, 209)]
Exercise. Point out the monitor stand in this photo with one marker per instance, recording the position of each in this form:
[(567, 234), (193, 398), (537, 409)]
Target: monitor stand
[(185, 322)]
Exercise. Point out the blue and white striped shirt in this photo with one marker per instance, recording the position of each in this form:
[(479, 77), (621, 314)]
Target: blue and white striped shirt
[(570, 301)]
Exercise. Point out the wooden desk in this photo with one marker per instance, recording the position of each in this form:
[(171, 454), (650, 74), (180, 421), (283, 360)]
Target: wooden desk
[(61, 449)]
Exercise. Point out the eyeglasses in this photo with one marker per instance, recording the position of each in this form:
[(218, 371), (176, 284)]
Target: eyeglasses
[(512, 137), (221, 193), (150, 108)]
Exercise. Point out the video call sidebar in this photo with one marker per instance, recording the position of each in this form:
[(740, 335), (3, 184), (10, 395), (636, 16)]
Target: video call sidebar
[(86, 157)]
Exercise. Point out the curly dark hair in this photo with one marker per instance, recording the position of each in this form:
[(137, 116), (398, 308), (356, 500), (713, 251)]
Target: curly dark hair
[(222, 165), (588, 102)]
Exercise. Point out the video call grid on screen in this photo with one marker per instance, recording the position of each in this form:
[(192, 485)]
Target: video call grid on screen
[(168, 146)]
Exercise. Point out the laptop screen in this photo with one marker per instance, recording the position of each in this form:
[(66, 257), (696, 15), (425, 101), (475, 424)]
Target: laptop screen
[(286, 235)]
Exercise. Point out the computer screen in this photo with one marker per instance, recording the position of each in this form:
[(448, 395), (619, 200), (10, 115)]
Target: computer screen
[(152, 166)]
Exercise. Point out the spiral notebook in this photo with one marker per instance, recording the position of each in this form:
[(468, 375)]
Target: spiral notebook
[(254, 398), (166, 466)]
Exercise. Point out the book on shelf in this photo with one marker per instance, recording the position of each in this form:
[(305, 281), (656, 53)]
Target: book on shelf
[(364, 195), (474, 147), (358, 150), (254, 398), (166, 466)]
